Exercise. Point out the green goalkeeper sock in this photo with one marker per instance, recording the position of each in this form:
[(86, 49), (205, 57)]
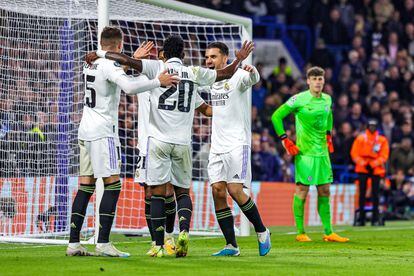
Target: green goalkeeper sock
[(324, 211), (299, 212)]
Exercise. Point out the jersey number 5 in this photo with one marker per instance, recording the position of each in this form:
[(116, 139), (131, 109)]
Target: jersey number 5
[(185, 87), (90, 93)]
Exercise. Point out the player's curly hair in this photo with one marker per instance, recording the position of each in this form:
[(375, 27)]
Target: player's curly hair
[(173, 47), (315, 72), (221, 46)]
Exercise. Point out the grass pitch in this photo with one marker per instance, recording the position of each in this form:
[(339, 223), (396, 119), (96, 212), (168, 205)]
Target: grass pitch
[(385, 250)]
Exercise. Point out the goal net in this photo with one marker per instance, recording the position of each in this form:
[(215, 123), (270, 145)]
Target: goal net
[(42, 46)]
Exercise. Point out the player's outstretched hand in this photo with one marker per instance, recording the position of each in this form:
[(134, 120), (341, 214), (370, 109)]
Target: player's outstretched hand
[(289, 145), (91, 57), (168, 80), (248, 68), (144, 50), (244, 51)]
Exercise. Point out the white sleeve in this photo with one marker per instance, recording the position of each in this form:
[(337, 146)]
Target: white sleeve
[(135, 85), (113, 70), (151, 68), (203, 76), (198, 100), (249, 79)]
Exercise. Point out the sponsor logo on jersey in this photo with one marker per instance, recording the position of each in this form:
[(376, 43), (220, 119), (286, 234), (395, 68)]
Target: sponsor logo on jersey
[(219, 99), (219, 96), (218, 103)]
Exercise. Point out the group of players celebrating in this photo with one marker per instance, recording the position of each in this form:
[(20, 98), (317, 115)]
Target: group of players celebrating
[(168, 98)]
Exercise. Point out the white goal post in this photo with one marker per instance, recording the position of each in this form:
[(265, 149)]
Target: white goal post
[(43, 45)]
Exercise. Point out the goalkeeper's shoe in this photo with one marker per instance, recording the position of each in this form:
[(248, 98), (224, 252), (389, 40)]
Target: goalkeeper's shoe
[(264, 242), (228, 250), (157, 251), (334, 238), (76, 249), (182, 244), (150, 250), (303, 238), (109, 250), (169, 245)]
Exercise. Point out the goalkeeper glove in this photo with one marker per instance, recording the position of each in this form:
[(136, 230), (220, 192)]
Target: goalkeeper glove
[(375, 163), (289, 145), (329, 142)]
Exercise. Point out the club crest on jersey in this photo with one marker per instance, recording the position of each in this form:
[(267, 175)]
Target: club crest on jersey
[(310, 178), (292, 100), (226, 86)]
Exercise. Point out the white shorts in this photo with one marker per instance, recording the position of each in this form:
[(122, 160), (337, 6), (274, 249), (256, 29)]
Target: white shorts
[(100, 158), (141, 171), (230, 167), (168, 162)]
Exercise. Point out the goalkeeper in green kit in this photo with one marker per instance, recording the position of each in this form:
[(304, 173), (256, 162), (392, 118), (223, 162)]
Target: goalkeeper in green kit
[(313, 120)]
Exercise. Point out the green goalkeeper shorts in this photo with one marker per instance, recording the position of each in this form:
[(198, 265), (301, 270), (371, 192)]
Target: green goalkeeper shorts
[(313, 170)]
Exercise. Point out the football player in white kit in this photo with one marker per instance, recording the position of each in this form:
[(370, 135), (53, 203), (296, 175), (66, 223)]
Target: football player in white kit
[(99, 141), (171, 119), (140, 173), (229, 160)]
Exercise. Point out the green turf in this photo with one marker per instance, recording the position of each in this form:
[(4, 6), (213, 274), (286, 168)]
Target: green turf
[(372, 251)]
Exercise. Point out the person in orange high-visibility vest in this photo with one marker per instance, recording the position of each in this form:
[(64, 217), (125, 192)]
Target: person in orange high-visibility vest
[(370, 152)]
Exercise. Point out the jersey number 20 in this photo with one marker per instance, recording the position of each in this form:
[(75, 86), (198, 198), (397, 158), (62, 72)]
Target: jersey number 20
[(90, 93), (185, 87)]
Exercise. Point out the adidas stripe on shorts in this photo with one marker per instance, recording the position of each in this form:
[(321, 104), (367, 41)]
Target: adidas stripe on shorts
[(231, 167)]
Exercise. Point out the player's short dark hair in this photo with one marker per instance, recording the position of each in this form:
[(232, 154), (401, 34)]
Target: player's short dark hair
[(221, 46), (173, 47), (111, 36), (315, 71)]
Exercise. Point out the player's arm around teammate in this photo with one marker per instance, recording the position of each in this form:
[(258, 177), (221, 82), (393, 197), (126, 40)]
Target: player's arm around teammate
[(224, 73), (313, 119)]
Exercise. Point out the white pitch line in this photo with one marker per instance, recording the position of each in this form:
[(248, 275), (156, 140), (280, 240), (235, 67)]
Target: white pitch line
[(122, 242)]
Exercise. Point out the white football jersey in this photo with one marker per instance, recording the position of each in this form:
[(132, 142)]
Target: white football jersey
[(172, 109), (143, 121), (101, 101), (231, 111)]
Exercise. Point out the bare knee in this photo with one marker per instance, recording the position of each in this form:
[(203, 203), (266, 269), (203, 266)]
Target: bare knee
[(324, 190), (158, 190), (219, 192), (87, 180), (180, 191), (301, 191), (237, 193), (147, 190), (170, 190), (110, 179)]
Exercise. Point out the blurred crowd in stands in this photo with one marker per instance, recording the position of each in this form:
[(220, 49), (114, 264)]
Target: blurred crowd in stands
[(367, 50)]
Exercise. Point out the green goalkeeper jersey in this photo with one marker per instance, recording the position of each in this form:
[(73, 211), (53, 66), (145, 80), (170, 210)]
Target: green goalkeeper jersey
[(313, 118)]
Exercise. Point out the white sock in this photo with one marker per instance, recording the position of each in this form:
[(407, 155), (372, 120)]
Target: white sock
[(74, 244)]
